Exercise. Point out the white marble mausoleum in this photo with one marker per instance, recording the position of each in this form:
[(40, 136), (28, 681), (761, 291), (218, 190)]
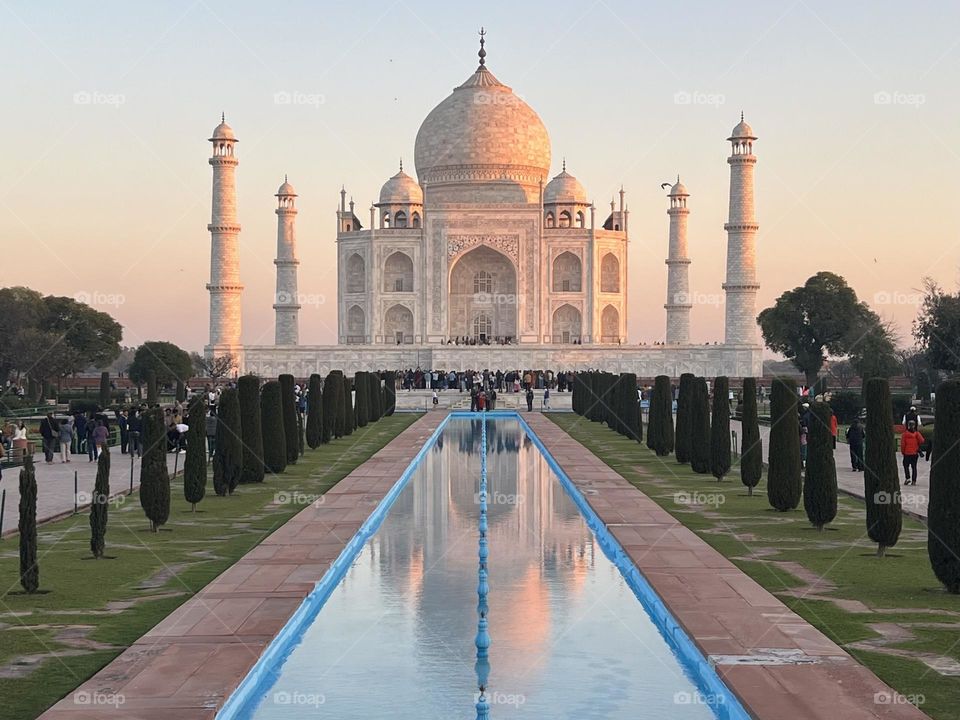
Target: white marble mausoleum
[(485, 260)]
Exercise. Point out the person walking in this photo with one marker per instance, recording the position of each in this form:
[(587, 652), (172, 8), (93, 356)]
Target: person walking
[(911, 416), (546, 398), (66, 439), (855, 435), (49, 431), (833, 428), (529, 399), (91, 426), (910, 443), (134, 427), (804, 434), (100, 436), (493, 399), (124, 424), (436, 400)]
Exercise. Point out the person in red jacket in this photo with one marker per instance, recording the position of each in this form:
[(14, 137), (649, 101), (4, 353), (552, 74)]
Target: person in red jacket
[(833, 429), (910, 443)]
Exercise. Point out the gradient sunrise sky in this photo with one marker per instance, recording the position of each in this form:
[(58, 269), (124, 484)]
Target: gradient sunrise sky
[(105, 186)]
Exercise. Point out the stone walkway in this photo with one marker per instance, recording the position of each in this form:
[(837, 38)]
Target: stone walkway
[(913, 497), (55, 494), (776, 663)]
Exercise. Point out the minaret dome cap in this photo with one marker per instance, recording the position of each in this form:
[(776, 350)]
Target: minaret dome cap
[(223, 132), (742, 131)]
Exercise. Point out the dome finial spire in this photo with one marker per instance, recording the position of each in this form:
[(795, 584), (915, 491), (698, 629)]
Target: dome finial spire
[(401, 164), (482, 53), (741, 116), (564, 164), (223, 117)]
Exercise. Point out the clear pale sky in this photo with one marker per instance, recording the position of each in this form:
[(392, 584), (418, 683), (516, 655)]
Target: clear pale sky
[(105, 186)]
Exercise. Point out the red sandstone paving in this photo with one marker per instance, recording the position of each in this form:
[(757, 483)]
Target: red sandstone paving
[(188, 664)]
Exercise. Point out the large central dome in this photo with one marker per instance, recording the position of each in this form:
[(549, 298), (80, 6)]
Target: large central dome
[(482, 133)]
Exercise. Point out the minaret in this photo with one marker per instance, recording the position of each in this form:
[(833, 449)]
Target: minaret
[(741, 285), (224, 285), (678, 269), (286, 305)]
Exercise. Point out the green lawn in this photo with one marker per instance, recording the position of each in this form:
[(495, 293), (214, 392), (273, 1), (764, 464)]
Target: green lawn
[(900, 588), (93, 609)]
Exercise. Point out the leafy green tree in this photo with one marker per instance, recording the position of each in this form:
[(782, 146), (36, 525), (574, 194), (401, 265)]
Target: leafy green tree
[(228, 455), (29, 569), (720, 459), (820, 478), (248, 389), (195, 463), (289, 408), (784, 482), (881, 478), (937, 328), (874, 352), (700, 427), (660, 425), (168, 363), (315, 412), (943, 510), (822, 316), (684, 402), (99, 504), (751, 445), (154, 477), (271, 424)]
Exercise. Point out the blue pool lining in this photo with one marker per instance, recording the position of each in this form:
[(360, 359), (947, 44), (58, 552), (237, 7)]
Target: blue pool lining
[(262, 676)]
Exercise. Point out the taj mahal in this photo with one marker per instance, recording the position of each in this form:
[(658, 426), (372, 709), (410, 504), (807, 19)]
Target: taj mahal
[(485, 261)]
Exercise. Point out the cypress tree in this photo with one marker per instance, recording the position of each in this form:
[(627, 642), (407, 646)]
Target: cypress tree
[(630, 407), (376, 397), (684, 397), (29, 569), (390, 393), (330, 411), (335, 380), (700, 427), (104, 390), (720, 429), (289, 409), (152, 396), (362, 405), (228, 457), (195, 463), (751, 448), (248, 390), (348, 414), (820, 477), (784, 485), (943, 510), (99, 503), (154, 477), (271, 426), (300, 429), (314, 412), (660, 439), (881, 478), (181, 390)]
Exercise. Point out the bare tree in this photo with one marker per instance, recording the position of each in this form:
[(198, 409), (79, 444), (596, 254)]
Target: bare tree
[(214, 368), (842, 373)]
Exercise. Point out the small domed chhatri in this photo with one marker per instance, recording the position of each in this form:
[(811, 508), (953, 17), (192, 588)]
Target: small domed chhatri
[(401, 188), (742, 131), (223, 131), (286, 190), (564, 188)]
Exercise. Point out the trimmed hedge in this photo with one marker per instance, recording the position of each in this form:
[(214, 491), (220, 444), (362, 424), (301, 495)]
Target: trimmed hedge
[(682, 434), (195, 463), (943, 510), (784, 484), (700, 427), (314, 412), (881, 476), (288, 407), (720, 459), (751, 444), (154, 477), (248, 388), (820, 478), (228, 455), (271, 426)]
